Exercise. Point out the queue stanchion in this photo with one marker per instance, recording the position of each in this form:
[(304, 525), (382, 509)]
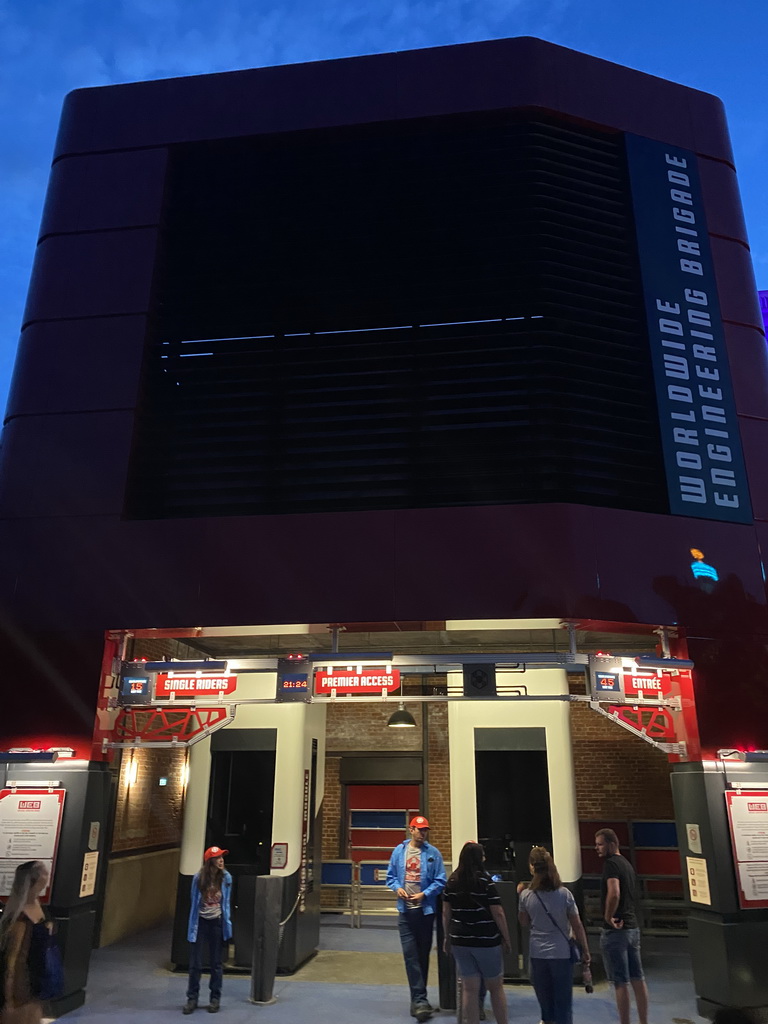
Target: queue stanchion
[(268, 904)]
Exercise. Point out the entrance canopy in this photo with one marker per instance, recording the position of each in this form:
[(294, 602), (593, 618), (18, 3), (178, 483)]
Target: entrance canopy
[(175, 686)]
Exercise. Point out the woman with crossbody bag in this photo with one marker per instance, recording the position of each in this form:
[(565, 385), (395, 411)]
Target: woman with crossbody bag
[(550, 911)]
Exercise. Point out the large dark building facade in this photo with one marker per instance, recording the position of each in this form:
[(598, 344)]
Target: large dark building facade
[(453, 349)]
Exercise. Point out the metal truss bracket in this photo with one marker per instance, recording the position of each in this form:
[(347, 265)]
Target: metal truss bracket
[(679, 748), (665, 747), (169, 727)]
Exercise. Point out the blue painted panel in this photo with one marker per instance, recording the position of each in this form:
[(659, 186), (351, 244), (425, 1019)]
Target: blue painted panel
[(336, 874), (369, 873), (654, 833)]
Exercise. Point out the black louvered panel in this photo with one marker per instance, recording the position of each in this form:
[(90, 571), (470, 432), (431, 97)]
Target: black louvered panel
[(430, 313)]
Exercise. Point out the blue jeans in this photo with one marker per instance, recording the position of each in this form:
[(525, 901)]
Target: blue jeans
[(210, 934), (416, 929), (621, 955), (552, 982)]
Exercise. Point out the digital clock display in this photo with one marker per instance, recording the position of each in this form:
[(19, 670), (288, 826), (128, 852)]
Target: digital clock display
[(292, 683)]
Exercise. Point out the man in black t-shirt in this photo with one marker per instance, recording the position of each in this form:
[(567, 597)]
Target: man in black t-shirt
[(620, 937)]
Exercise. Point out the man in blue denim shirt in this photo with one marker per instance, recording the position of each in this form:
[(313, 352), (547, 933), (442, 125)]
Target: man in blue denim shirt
[(620, 937), (417, 874)]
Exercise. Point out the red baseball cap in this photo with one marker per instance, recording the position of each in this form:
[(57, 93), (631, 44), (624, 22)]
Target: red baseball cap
[(419, 822), (214, 851)]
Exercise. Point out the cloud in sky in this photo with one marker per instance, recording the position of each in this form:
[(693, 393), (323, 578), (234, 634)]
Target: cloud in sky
[(48, 47)]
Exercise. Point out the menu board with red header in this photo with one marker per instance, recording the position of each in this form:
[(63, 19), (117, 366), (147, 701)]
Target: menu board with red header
[(357, 679), (748, 822), (30, 825), (191, 686)]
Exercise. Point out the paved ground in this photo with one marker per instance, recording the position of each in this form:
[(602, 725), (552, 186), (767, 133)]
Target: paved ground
[(357, 976)]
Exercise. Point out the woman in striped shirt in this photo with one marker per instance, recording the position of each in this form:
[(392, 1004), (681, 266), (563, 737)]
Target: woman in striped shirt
[(476, 932)]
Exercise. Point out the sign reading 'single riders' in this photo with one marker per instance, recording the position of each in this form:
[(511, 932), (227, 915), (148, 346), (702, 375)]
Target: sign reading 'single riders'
[(699, 429), (189, 687)]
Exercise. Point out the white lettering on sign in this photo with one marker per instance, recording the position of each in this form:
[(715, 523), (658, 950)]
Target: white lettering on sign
[(30, 805), (681, 327), (191, 686), (359, 681), (642, 683), (180, 683), (688, 361)]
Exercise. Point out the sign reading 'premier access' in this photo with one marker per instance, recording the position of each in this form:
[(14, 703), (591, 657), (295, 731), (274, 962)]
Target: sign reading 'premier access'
[(351, 681), (187, 687)]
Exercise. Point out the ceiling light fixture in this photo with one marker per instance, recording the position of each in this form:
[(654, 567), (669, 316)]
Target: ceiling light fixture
[(401, 719)]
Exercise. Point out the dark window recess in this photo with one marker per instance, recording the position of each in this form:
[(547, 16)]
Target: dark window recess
[(436, 312)]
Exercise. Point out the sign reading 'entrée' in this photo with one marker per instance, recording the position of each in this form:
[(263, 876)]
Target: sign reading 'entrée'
[(351, 681), (194, 686)]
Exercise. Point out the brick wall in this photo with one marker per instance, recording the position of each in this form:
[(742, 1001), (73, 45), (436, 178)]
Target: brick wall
[(356, 727), (353, 728), (147, 814), (618, 775), (332, 810), (438, 779)]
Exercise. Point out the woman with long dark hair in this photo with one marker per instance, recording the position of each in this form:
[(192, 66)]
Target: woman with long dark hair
[(23, 938), (550, 911), (476, 931), (210, 926)]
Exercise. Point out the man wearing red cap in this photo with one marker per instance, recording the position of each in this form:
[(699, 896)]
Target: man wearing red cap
[(417, 874)]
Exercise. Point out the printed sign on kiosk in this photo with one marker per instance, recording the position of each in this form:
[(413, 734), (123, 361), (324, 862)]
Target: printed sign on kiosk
[(30, 825), (748, 822)]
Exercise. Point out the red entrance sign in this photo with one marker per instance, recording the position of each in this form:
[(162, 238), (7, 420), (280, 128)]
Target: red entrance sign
[(649, 684), (194, 686), (351, 681), (665, 725)]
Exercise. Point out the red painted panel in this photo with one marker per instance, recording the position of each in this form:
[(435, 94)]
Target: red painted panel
[(735, 282), (721, 195), (375, 837), (754, 440), (587, 831), (657, 862), (94, 192), (665, 886), (590, 862), (382, 797), (748, 359), (371, 853), (480, 76)]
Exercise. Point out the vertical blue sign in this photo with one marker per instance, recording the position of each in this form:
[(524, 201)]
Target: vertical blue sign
[(699, 428)]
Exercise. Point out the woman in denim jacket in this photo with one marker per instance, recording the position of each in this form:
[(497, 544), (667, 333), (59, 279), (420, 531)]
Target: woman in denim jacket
[(210, 925)]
